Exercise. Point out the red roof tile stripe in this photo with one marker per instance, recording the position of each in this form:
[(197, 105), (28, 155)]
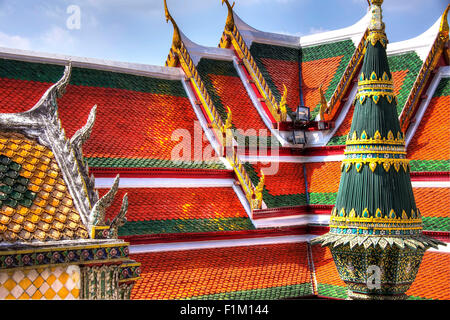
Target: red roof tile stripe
[(138, 118), (433, 202), (233, 94), (282, 177), (190, 273), (20, 95), (283, 72), (226, 90), (178, 203), (284, 183), (432, 280)]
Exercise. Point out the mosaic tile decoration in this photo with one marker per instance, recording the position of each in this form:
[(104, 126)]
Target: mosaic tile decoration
[(36, 204), (180, 210), (156, 106), (58, 283), (251, 272)]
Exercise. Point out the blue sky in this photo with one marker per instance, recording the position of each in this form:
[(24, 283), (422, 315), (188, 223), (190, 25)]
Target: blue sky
[(136, 31)]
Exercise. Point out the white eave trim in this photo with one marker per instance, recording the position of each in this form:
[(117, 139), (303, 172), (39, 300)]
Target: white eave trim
[(160, 72)]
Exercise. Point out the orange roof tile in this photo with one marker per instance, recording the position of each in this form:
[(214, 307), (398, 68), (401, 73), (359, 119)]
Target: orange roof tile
[(285, 72), (178, 203), (314, 74), (324, 266), (282, 177), (433, 279)]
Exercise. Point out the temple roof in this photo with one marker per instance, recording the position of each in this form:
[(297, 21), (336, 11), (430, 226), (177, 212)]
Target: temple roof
[(140, 106)]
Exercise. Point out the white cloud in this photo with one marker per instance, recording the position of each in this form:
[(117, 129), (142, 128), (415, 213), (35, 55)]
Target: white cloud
[(15, 42), (314, 30)]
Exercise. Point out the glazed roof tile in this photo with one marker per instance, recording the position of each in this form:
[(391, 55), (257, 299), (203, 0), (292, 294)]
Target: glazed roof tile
[(434, 205), (179, 210), (226, 89), (35, 202), (431, 280), (156, 106), (250, 272), (320, 65), (323, 181), (284, 183)]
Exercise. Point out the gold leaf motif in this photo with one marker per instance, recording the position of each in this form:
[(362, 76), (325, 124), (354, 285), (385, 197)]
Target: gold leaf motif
[(377, 135), (397, 166), (373, 166), (390, 135), (386, 166)]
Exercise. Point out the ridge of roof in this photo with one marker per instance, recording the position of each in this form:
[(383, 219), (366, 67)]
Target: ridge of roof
[(146, 70)]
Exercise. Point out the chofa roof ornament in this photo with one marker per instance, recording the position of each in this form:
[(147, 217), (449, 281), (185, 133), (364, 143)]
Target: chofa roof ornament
[(229, 24)]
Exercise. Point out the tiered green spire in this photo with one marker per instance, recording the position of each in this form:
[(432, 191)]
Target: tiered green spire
[(375, 216)]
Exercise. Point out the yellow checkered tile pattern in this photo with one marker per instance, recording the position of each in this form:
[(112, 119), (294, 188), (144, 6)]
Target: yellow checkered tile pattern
[(52, 216), (59, 283)]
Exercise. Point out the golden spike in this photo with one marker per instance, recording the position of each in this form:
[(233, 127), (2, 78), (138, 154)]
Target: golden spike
[(176, 41), (324, 107), (444, 29), (230, 19), (283, 108)]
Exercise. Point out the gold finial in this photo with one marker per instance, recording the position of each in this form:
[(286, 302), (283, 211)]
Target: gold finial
[(176, 41), (376, 26), (443, 29), (324, 108), (283, 101), (229, 25)]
